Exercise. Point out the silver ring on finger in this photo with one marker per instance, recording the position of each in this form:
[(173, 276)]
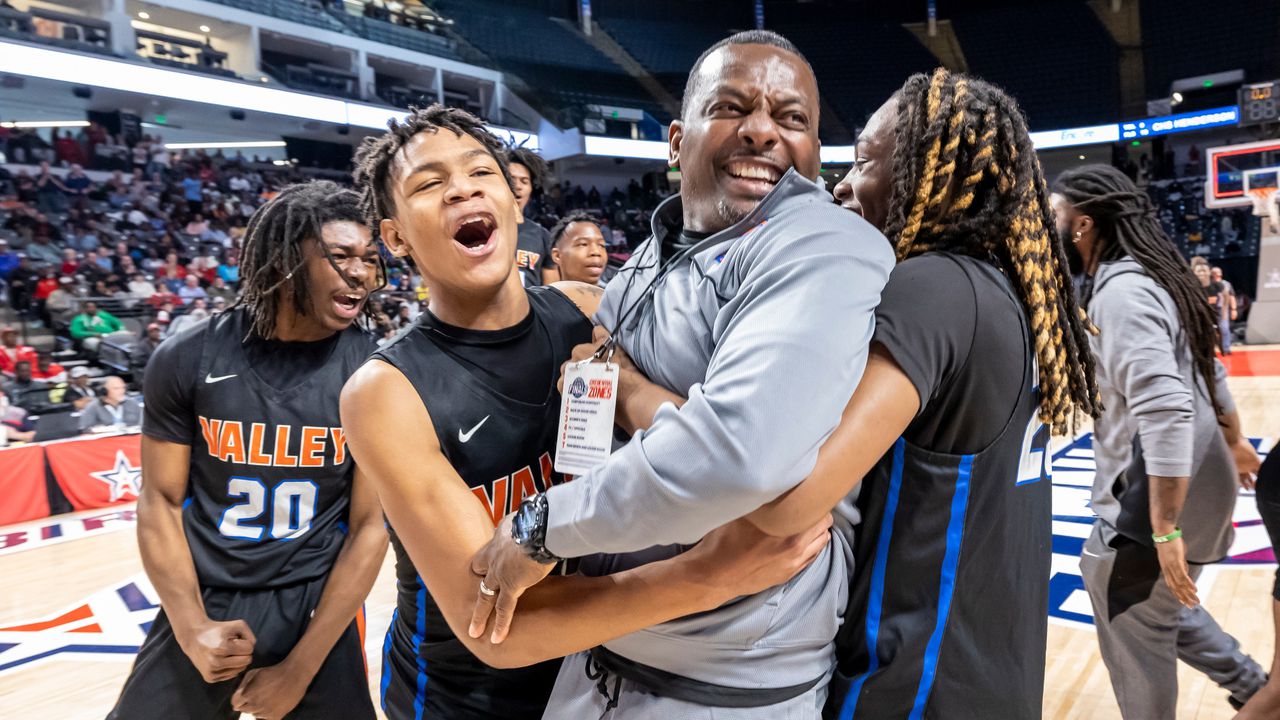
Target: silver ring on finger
[(486, 590)]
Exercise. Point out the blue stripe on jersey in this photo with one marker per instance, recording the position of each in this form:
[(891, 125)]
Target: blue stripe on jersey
[(386, 660), (950, 563), (875, 604), (420, 690)]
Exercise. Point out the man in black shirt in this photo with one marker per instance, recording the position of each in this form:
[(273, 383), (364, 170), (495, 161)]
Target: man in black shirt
[(260, 534), (533, 243)]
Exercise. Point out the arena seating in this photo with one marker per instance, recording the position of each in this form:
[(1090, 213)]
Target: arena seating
[(547, 55), (1188, 38), (1015, 47), (860, 63)]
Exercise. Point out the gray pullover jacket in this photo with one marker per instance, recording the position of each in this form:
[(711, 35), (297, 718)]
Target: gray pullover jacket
[(764, 326), (1151, 392)]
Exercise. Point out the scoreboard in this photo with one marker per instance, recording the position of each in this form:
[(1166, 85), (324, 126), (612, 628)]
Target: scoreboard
[(1260, 103)]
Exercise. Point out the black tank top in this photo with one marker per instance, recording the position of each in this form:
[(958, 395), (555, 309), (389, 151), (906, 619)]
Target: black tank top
[(948, 610), (503, 448), (270, 484)]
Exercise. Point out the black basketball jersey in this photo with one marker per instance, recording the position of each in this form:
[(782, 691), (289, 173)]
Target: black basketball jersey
[(270, 482), (948, 608), (503, 449)]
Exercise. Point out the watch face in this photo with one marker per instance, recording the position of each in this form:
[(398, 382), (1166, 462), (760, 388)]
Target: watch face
[(522, 524)]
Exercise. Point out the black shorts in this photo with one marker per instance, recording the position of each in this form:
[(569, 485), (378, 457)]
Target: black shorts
[(449, 683), (165, 684), (1268, 497)]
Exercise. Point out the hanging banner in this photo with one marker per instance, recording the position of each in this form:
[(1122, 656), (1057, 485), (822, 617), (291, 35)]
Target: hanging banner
[(97, 473), (22, 484)]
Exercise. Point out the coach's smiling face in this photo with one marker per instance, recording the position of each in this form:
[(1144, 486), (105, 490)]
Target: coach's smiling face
[(751, 114)]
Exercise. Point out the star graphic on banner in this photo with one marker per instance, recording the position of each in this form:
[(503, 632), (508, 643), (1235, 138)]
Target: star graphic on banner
[(123, 478)]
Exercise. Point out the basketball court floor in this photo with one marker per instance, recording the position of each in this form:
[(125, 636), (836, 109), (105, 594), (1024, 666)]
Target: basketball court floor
[(75, 602)]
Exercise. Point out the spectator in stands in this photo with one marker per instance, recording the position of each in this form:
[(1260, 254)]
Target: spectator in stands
[(1216, 296), (217, 305), (77, 185), (218, 289), (199, 311), (58, 306), (1216, 274), (25, 391), (77, 392), (13, 423), (49, 190), (70, 262), (191, 290), (578, 249), (139, 287), (160, 159), (41, 250), (197, 227), (12, 352), (46, 370), (533, 242), (164, 296), (90, 326), (141, 351), (229, 270), (193, 192), (112, 411), (44, 288), (8, 260)]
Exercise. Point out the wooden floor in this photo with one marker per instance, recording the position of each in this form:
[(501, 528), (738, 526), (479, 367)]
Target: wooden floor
[(61, 661)]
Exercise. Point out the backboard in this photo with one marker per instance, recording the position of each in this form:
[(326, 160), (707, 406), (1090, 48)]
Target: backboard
[(1226, 168)]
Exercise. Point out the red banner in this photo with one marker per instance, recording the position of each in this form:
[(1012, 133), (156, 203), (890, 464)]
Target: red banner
[(97, 473), (22, 484)]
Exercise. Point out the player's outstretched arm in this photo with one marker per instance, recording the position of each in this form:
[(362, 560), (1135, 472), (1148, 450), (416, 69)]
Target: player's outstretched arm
[(441, 524), (880, 410), (273, 692), (219, 650)]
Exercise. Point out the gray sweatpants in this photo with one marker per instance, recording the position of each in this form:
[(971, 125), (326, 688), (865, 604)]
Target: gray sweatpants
[(1142, 645), (576, 697)]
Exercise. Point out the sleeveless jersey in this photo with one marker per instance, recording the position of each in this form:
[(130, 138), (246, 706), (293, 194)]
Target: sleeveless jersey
[(270, 483), (503, 449), (948, 611)]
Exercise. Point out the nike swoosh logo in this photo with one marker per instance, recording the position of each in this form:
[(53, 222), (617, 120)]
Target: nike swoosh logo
[(210, 379), (465, 436)]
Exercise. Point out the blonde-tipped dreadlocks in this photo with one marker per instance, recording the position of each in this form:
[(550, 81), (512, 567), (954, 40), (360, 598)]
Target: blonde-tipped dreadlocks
[(965, 178)]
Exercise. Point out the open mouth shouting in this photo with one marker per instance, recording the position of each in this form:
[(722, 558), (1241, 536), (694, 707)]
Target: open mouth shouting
[(475, 233), (348, 303)]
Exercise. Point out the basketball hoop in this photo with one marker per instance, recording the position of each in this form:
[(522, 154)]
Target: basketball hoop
[(1265, 205)]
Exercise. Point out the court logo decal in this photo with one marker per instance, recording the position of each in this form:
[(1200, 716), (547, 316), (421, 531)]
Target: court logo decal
[(72, 526), (1074, 468), (110, 625)]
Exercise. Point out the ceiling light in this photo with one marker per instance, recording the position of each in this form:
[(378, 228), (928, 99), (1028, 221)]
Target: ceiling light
[(204, 28), (45, 124), (144, 15), (224, 145)]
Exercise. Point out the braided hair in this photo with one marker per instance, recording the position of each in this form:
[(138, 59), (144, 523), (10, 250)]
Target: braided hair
[(274, 256), (1126, 223), (377, 155), (966, 179)]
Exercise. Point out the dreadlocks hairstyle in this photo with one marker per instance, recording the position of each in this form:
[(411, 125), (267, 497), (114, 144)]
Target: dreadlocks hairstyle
[(558, 231), (1126, 223), (377, 154), (274, 257), (966, 179)]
